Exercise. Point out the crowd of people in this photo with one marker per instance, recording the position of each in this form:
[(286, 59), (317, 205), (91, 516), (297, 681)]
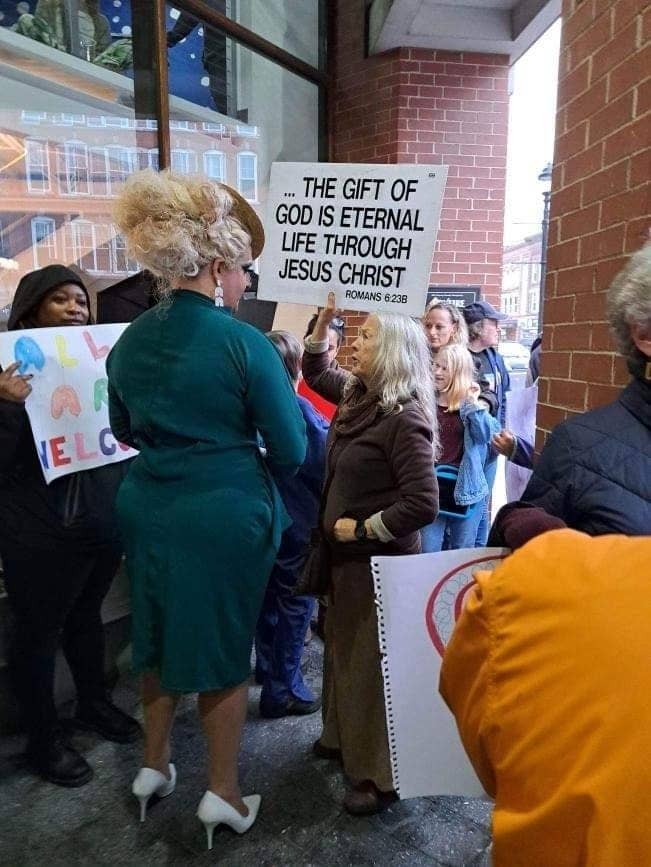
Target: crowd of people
[(258, 457)]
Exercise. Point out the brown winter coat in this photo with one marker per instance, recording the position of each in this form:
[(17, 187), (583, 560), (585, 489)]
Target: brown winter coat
[(387, 467)]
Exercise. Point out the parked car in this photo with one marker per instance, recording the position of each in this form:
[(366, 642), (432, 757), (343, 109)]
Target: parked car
[(515, 355)]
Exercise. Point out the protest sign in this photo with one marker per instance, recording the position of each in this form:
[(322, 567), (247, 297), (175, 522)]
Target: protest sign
[(367, 232), (419, 600), (68, 406), (521, 421)]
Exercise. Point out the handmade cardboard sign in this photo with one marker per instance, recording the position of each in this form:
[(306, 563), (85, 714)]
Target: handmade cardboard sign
[(419, 600), (366, 232), (68, 406)]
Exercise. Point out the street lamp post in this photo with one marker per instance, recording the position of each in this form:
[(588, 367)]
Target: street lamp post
[(544, 177)]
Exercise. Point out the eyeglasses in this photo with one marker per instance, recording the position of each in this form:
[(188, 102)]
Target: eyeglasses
[(249, 270)]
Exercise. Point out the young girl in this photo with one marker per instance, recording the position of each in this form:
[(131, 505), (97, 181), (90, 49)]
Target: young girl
[(465, 430)]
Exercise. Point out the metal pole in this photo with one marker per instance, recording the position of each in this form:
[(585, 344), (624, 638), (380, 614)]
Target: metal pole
[(543, 258)]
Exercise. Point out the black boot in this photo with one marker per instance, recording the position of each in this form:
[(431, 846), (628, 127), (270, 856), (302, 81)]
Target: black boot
[(100, 715), (56, 761)]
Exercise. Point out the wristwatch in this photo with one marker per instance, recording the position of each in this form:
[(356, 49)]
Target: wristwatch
[(360, 530)]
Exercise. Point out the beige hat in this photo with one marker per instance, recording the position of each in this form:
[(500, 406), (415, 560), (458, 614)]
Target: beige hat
[(249, 219)]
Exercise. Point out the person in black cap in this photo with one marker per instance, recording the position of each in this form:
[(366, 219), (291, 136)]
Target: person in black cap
[(483, 336), (60, 551)]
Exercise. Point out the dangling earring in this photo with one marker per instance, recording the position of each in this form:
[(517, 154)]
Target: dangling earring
[(219, 295)]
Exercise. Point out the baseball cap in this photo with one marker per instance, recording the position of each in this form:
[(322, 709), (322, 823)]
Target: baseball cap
[(479, 310)]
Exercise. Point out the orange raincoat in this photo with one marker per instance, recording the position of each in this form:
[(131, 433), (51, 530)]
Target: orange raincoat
[(548, 674)]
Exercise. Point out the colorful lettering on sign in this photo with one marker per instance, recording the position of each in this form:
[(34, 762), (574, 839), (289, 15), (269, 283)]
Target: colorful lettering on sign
[(80, 447), (106, 448), (62, 352), (100, 393), (58, 458), (28, 352), (64, 397), (96, 351)]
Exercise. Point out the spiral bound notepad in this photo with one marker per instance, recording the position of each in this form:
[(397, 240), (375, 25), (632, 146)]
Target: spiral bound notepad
[(418, 599)]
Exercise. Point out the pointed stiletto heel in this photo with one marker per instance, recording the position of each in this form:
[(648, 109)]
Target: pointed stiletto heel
[(213, 811), (149, 782)]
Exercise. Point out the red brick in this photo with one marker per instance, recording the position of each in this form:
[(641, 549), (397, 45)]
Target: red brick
[(599, 395), (563, 255), (631, 138), (559, 310), (601, 338), (612, 117), (614, 51), (548, 417), (566, 199), (578, 21), (590, 367), (567, 393), (627, 9), (570, 337), (580, 222), (556, 364), (606, 183), (637, 232), (586, 105), (621, 375), (643, 98), (619, 208), (627, 74), (574, 83), (583, 164), (591, 39), (571, 142), (606, 271), (590, 308), (602, 245)]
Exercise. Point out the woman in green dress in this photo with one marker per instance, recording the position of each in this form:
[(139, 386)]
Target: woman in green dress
[(191, 388)]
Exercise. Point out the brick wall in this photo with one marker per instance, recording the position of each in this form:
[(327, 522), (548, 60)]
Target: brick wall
[(436, 107), (600, 205)]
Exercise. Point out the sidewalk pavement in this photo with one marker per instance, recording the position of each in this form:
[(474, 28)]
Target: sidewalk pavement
[(301, 821)]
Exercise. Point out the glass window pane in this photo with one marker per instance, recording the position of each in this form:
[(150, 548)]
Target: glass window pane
[(290, 24), (69, 139)]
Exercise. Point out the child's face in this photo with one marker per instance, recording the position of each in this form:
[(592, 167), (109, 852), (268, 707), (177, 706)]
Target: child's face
[(441, 375)]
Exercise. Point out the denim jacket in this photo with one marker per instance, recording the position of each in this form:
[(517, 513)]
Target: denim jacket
[(479, 427)]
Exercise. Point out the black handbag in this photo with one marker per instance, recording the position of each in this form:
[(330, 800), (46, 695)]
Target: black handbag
[(314, 580)]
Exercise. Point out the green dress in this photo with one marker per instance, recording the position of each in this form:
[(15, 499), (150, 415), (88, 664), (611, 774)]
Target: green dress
[(191, 388)]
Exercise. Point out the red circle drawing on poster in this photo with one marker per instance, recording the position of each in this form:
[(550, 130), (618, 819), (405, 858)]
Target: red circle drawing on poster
[(446, 599)]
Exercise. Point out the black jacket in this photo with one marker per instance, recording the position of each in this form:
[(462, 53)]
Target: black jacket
[(75, 510), (595, 470)]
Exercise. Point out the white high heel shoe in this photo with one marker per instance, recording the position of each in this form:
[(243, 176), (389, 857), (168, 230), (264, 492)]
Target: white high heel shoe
[(213, 811), (149, 782)]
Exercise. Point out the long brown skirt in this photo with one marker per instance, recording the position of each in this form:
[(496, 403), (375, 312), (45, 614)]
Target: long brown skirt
[(354, 718)]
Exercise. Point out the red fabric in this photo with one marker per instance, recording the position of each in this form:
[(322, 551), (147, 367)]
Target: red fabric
[(323, 406)]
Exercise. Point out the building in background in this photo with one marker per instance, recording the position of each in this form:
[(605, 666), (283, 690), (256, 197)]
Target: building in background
[(521, 275)]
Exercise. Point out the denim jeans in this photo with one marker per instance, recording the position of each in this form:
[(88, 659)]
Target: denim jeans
[(490, 471), (453, 532)]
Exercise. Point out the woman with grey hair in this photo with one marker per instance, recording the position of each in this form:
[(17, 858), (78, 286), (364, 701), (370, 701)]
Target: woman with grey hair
[(595, 470), (190, 387), (379, 491)]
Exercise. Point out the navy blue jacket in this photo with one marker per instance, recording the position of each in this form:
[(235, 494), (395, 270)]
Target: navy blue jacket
[(301, 493), (595, 470), (496, 376)]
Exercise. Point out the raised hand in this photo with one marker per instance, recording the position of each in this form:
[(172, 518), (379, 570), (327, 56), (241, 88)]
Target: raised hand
[(14, 386)]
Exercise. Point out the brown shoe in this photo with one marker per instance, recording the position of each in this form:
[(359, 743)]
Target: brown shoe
[(323, 752), (364, 799)]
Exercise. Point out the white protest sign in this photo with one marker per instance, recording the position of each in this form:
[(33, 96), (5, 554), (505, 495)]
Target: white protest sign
[(521, 420), (419, 599), (365, 231), (68, 406)]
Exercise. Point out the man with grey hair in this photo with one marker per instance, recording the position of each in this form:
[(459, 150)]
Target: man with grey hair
[(595, 470), (483, 336)]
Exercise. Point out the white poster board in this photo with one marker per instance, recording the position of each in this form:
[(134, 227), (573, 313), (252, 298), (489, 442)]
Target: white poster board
[(419, 599), (365, 231), (521, 420), (68, 406)]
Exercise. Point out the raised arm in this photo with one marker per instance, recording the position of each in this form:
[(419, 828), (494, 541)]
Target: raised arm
[(328, 381)]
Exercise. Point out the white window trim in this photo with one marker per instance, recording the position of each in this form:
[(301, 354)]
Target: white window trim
[(74, 146), (50, 235), (254, 179), (221, 155), (45, 180)]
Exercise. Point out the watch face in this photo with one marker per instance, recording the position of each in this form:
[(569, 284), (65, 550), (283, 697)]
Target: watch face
[(360, 530)]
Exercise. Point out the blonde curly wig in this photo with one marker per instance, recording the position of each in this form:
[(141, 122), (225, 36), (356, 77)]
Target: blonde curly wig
[(176, 224)]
